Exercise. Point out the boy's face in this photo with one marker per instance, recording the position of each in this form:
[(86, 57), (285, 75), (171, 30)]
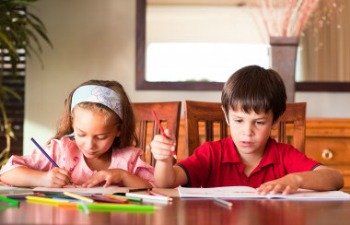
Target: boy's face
[(250, 131)]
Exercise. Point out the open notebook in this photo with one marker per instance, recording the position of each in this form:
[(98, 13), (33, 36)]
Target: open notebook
[(13, 191), (88, 191), (245, 192)]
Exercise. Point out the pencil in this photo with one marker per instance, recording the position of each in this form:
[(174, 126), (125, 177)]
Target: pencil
[(10, 201), (156, 119), (223, 202), (79, 197), (121, 199), (43, 151), (153, 192), (108, 207), (149, 198), (45, 200)]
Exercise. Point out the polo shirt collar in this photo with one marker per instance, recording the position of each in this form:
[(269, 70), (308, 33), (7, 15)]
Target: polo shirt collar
[(231, 155), (270, 154)]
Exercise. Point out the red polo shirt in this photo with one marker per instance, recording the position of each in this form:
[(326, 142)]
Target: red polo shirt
[(218, 163)]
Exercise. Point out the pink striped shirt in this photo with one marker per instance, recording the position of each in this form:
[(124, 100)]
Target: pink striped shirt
[(67, 155)]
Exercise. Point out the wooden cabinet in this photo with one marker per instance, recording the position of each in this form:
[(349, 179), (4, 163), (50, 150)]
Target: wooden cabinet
[(328, 141)]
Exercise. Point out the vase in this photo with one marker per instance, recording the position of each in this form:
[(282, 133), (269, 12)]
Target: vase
[(283, 54)]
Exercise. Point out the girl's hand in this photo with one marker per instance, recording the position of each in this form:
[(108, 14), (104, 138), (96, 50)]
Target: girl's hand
[(286, 185), (162, 147), (56, 177), (111, 176)]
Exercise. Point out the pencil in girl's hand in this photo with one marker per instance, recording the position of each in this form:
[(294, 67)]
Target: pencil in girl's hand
[(43, 151), (162, 129)]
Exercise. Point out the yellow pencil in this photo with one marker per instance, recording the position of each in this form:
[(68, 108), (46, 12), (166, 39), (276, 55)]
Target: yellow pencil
[(79, 197), (44, 200)]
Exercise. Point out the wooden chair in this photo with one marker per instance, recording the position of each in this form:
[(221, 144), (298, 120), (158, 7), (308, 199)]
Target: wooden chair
[(205, 121), (169, 115), (291, 127)]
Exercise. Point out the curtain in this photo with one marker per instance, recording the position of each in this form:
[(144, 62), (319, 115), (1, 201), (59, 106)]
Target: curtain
[(325, 43)]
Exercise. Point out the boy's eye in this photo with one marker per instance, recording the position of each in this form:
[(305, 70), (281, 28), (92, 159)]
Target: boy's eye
[(237, 120), (260, 122)]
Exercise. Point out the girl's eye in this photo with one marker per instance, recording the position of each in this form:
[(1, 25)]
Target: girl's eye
[(79, 135), (260, 122), (101, 137), (237, 120)]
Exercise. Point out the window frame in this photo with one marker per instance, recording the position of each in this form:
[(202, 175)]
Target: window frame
[(143, 84)]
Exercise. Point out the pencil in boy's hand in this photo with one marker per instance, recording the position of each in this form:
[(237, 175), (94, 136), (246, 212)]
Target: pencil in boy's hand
[(162, 129), (159, 125), (43, 151)]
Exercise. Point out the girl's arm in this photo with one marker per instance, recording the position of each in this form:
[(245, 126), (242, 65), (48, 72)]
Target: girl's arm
[(116, 176), (322, 178), (26, 177)]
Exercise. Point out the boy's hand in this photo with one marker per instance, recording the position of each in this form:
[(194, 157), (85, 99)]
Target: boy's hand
[(56, 177), (286, 185), (162, 147), (108, 177)]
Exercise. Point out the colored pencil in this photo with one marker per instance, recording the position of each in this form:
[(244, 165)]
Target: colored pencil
[(153, 192), (79, 197), (38, 199), (108, 207), (149, 198), (10, 201), (43, 151), (223, 202), (156, 119)]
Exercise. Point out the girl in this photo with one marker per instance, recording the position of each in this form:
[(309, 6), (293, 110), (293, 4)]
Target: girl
[(94, 144)]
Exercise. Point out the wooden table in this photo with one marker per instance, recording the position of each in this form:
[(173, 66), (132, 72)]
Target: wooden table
[(188, 212)]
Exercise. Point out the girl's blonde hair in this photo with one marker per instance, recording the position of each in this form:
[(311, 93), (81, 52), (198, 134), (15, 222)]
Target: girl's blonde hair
[(126, 125)]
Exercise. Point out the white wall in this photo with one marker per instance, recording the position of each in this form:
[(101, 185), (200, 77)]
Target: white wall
[(96, 39)]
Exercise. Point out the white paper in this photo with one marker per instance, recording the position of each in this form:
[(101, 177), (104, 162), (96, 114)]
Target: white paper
[(245, 192)]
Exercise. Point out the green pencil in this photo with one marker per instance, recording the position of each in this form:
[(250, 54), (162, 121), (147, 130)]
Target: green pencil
[(108, 207), (10, 201)]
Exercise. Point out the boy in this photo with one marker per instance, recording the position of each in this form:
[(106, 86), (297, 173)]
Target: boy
[(252, 99)]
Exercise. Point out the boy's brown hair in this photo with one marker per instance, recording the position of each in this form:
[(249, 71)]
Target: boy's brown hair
[(255, 88)]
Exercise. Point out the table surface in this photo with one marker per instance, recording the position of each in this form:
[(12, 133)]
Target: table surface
[(191, 211)]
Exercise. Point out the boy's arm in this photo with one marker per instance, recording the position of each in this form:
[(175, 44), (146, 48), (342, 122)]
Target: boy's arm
[(168, 176), (322, 178)]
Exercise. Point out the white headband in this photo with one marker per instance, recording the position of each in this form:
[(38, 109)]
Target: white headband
[(98, 94)]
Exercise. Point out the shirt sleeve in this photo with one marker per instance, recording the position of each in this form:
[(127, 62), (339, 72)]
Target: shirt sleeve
[(296, 161), (36, 160), (197, 166)]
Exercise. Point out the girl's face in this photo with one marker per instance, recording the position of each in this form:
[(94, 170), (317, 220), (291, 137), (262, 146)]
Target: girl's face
[(94, 133), (250, 131)]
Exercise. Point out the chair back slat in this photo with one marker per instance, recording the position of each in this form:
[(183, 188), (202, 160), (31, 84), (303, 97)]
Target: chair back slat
[(169, 115)]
